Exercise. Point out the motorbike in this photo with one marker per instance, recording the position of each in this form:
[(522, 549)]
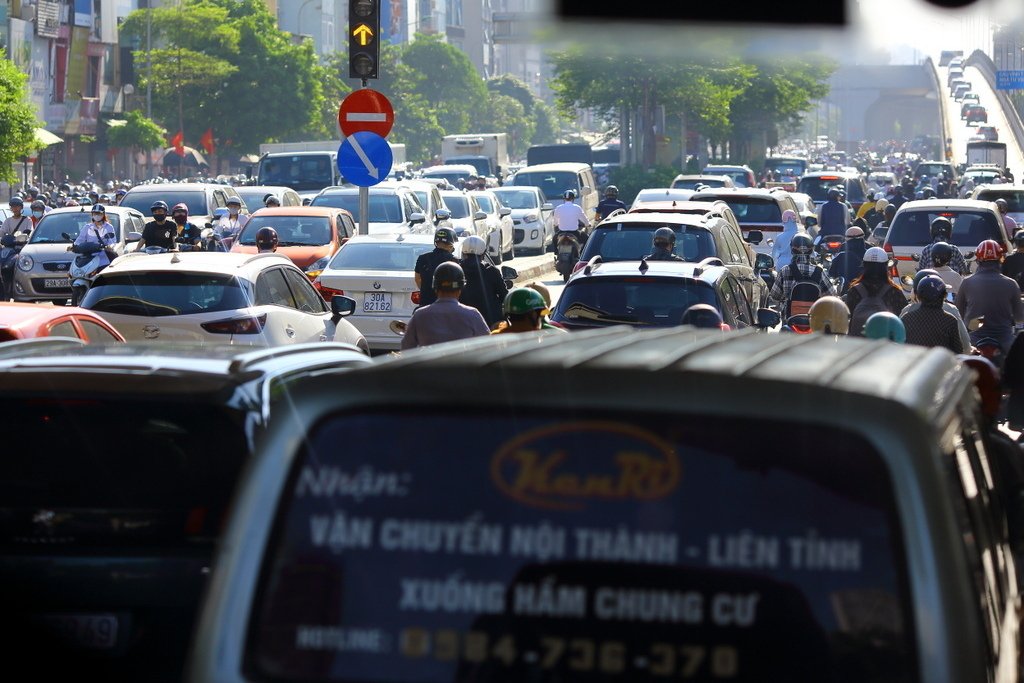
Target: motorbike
[(87, 265), (987, 346), (212, 241), (10, 248), (798, 324), (827, 247), (567, 254)]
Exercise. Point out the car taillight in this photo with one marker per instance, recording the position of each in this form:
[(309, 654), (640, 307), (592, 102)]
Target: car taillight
[(248, 325), (326, 292), (894, 271), (580, 265), (416, 298)]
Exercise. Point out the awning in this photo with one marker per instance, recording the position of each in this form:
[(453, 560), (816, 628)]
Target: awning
[(46, 138), (116, 123)]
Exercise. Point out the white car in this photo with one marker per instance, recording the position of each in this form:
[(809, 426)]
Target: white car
[(661, 194), (246, 299), (466, 215), (533, 217), (378, 271), (502, 245), (392, 208)]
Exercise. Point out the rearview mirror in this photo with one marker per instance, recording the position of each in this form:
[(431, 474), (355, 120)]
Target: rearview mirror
[(509, 273), (547, 206), (810, 222), (504, 211), (442, 214), (342, 306), (416, 217), (479, 216), (754, 237), (767, 318), (133, 236)]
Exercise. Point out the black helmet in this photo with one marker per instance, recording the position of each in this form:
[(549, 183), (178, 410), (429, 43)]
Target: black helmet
[(271, 198), (833, 193), (266, 239), (159, 204), (931, 289), (611, 191), (942, 226), (449, 276), (16, 201), (702, 315), (942, 253), (665, 238), (569, 195), (38, 205), (1018, 238), (801, 245)]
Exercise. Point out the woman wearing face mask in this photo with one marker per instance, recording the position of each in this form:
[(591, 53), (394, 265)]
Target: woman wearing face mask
[(188, 232), (99, 231), (38, 209)]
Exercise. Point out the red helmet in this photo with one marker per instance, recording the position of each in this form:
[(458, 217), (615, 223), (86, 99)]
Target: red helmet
[(180, 206), (989, 250)]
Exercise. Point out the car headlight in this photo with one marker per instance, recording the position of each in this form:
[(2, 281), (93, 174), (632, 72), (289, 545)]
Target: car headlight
[(25, 262), (530, 218), (315, 268)]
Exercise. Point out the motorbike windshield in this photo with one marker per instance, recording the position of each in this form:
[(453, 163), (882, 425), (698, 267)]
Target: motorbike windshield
[(52, 226)]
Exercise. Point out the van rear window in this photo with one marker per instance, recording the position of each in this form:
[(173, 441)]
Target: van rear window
[(528, 547), (970, 228)]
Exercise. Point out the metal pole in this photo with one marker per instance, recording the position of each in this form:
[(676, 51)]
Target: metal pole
[(364, 211)]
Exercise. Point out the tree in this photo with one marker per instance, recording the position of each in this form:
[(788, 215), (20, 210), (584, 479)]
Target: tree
[(508, 84), (447, 82), (138, 133), (17, 120), (506, 115), (546, 124)]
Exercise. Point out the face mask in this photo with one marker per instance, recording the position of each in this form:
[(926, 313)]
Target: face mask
[(233, 210), (159, 216), (179, 219), (97, 217), (37, 214)]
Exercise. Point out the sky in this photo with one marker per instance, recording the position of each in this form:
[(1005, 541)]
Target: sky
[(906, 27)]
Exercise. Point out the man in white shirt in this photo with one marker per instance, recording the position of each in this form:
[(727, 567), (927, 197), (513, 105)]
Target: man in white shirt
[(569, 217)]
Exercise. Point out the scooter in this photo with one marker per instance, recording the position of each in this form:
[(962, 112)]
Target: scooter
[(567, 254), (10, 248), (84, 269), (986, 345)]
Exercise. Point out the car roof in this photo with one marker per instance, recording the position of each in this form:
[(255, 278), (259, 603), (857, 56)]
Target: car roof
[(194, 261), (841, 174), (674, 206), (84, 208), (14, 314), (412, 238), (948, 204), (165, 187), (450, 168), (708, 271), (656, 217), (724, 192), (528, 188), (556, 166), (326, 211), (261, 188)]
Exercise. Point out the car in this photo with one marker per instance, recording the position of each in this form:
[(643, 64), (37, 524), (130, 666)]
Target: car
[(958, 84), (981, 174), (217, 298), (630, 237), (977, 114), (756, 209), (954, 74), (452, 173), (1012, 194), (429, 195), (987, 132), (378, 271), (30, 321), (661, 195), (973, 222), (308, 235), (110, 530), (466, 215), (502, 245), (653, 294), (742, 176), (43, 264), (661, 528), (253, 196), (966, 101), (692, 181), (712, 209), (960, 90), (202, 199), (818, 183), (934, 169), (392, 208), (880, 180), (788, 168), (533, 216), (554, 179)]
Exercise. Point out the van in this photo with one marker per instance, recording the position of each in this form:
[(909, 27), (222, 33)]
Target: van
[(597, 519), (554, 179), (742, 176)]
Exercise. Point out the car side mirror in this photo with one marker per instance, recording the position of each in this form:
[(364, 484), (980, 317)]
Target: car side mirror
[(22, 238), (767, 318), (810, 222), (341, 306), (547, 206), (416, 217), (509, 273), (133, 236), (754, 237), (763, 262), (479, 216), (442, 214), (504, 211)]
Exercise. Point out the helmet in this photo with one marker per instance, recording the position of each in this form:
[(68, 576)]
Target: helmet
[(664, 238), (881, 204), (941, 226), (449, 277), (833, 193), (830, 315), (930, 289), (1003, 206), (180, 206), (37, 204), (801, 245), (788, 215), (159, 204), (444, 235), (875, 255), (989, 250), (17, 201), (98, 208), (611, 191), (924, 272), (853, 232), (474, 244), (271, 198), (120, 193), (523, 300), (569, 195), (942, 253), (885, 325), (702, 315), (233, 200), (266, 239), (1018, 237)]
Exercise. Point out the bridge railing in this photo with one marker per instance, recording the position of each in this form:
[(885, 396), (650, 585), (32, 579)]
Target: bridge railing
[(947, 149)]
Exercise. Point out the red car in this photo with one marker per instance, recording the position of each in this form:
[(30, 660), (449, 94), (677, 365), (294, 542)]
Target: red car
[(977, 114), (25, 321)]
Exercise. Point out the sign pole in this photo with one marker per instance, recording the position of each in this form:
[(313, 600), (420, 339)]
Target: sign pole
[(364, 211)]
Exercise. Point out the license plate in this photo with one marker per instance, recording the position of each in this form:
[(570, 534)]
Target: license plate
[(87, 631), (56, 283), (377, 302)]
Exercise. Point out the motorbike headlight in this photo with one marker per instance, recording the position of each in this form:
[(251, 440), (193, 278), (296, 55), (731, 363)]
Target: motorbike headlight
[(907, 280), (530, 218), (25, 262)]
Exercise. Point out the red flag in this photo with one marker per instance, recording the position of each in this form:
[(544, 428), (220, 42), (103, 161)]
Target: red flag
[(207, 141), (178, 143)]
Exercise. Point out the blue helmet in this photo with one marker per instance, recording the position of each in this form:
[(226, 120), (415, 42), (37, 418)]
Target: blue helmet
[(885, 325), (930, 289)]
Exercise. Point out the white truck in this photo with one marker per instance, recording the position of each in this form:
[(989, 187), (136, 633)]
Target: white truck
[(307, 167), (487, 152), (986, 152)]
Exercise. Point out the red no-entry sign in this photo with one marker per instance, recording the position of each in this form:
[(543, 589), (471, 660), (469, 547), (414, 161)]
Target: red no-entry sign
[(366, 110)]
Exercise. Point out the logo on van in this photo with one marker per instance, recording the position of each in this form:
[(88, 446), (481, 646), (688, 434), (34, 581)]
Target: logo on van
[(564, 467)]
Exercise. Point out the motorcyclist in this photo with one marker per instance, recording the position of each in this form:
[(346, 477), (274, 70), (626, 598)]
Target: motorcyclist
[(990, 295), (800, 269), (99, 231), (38, 211), (426, 264), (234, 220), (942, 254), (17, 222), (914, 304), (271, 200), (829, 315), (849, 262), (485, 289), (833, 215), (930, 325), (1013, 265), (1009, 224), (525, 311), (611, 202), (887, 326), (188, 232), (664, 246), (266, 240), (780, 250), (158, 232), (445, 319), (942, 231), (119, 195), (569, 217)]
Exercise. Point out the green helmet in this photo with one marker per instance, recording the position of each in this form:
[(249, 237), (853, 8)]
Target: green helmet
[(885, 325), (523, 300)]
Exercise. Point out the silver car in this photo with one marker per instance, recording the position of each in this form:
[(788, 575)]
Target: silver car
[(502, 245), (42, 270)]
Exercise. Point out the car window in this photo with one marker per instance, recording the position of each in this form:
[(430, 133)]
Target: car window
[(552, 184), (485, 204), (587, 580), (1014, 198), (755, 209), (637, 300), (970, 228), (141, 200), (272, 289), (72, 222), (733, 304), (96, 333), (157, 293), (518, 199), (735, 253), (292, 231), (291, 199), (633, 241), (345, 226), (306, 298), (64, 328), (384, 208), (458, 205)]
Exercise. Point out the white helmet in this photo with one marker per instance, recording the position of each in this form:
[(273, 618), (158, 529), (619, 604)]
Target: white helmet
[(876, 255), (474, 244)]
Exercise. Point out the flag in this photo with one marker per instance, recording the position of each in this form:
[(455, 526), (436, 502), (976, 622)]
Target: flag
[(178, 143), (207, 141)]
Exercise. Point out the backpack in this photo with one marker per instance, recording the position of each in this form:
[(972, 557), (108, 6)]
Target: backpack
[(805, 291), (869, 305)]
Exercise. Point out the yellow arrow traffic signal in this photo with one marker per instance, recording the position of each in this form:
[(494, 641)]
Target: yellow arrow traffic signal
[(364, 34), (363, 38)]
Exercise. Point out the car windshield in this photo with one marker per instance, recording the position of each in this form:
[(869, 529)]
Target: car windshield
[(299, 172), (379, 256), (913, 228), (142, 200), (292, 231), (452, 177), (750, 209), (739, 177), (639, 300), (818, 186), (663, 194), (790, 167), (692, 183), (253, 199), (158, 294), (458, 205), (633, 241), (52, 226), (551, 183), (384, 208), (518, 199)]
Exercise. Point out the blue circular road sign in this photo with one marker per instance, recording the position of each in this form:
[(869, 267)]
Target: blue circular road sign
[(364, 159)]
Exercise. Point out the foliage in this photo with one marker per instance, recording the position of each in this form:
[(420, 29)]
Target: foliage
[(631, 179), (17, 120), (139, 132), (513, 87), (505, 114), (546, 124), (447, 82)]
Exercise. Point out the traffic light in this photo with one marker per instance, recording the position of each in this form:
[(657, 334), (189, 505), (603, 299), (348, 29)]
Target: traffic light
[(363, 38)]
